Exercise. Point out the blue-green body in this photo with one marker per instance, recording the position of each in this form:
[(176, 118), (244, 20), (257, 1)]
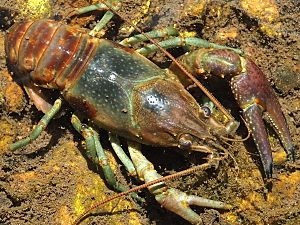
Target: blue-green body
[(126, 93)]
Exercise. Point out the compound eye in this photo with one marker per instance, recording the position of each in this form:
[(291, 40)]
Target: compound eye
[(206, 111)]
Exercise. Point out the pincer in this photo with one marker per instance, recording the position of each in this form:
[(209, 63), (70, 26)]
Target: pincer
[(252, 92)]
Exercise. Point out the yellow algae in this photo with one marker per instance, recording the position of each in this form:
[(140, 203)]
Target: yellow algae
[(284, 185), (250, 179), (91, 190), (255, 173), (35, 9), (90, 187), (56, 168), (133, 218), (256, 199), (88, 192), (266, 11), (287, 184), (253, 201), (112, 161), (65, 163), (272, 29), (188, 34), (195, 7), (24, 177), (24, 184), (64, 216), (247, 205), (272, 198), (80, 199), (14, 97), (144, 10), (244, 204), (231, 218), (4, 142), (228, 33), (138, 16), (279, 157), (6, 137), (291, 179)]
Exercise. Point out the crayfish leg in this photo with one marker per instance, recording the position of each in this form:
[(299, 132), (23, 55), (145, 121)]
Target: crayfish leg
[(170, 198), (42, 124), (97, 154)]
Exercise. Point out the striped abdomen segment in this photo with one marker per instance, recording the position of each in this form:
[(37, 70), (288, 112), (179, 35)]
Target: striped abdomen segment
[(53, 53)]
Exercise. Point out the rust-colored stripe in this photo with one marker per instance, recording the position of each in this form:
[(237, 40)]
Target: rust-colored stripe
[(71, 38), (24, 39), (35, 42), (61, 49), (62, 79), (45, 71), (84, 51), (13, 39), (67, 67)]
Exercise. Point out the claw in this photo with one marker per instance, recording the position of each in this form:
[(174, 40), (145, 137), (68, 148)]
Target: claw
[(179, 203), (253, 116), (255, 96), (252, 92)]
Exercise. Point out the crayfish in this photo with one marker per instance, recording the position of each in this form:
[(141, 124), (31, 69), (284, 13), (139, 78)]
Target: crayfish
[(120, 90)]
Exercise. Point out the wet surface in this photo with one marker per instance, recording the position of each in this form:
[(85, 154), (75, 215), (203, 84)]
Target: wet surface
[(51, 181)]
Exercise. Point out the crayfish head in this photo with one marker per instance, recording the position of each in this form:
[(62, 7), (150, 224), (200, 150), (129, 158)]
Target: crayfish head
[(168, 115), (215, 129)]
